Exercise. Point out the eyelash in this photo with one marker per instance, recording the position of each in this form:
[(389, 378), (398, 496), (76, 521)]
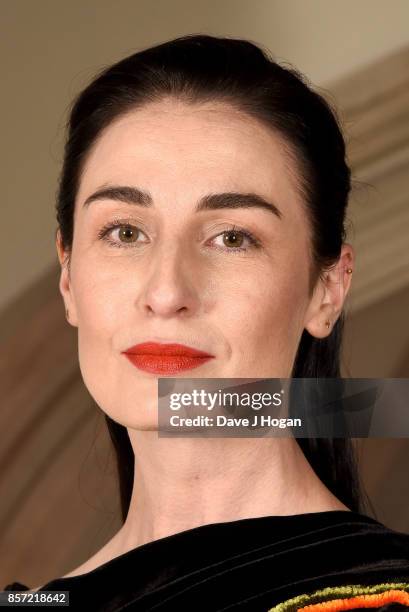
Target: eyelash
[(104, 232)]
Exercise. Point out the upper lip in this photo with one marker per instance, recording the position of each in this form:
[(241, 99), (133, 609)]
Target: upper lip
[(169, 348)]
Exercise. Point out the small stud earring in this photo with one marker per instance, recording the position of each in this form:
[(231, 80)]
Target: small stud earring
[(349, 270), (328, 323)]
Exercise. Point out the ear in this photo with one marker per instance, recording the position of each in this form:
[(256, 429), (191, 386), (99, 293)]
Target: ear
[(65, 281), (329, 295)]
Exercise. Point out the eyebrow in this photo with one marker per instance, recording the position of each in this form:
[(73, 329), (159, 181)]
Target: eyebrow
[(212, 201)]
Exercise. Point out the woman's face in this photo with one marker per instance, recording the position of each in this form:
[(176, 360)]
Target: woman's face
[(173, 274)]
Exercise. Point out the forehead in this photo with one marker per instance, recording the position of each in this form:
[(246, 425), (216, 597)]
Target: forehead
[(191, 149)]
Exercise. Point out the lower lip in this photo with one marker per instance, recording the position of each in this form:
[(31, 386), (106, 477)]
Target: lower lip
[(165, 364)]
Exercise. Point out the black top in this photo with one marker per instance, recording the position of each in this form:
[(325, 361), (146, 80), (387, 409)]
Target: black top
[(269, 563)]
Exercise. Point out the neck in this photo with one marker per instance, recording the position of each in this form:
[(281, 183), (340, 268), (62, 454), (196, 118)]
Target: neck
[(183, 483)]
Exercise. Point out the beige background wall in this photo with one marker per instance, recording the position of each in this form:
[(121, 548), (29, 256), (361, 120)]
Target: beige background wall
[(51, 48)]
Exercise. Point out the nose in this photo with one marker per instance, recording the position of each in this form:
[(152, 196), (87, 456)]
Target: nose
[(171, 284)]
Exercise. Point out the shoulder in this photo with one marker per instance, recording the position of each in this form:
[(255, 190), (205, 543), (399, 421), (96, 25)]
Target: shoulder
[(16, 586), (19, 586)]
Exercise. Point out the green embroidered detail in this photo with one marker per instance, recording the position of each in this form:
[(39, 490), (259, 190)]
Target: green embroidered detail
[(320, 595)]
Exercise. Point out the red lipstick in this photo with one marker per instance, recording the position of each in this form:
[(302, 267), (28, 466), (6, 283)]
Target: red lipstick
[(168, 359)]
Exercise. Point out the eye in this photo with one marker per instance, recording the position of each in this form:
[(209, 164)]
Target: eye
[(234, 240), (126, 233), (120, 233)]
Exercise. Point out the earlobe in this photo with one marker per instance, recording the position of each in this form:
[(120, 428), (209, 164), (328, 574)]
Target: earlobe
[(320, 316)]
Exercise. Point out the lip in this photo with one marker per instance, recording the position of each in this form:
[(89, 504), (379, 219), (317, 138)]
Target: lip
[(165, 358)]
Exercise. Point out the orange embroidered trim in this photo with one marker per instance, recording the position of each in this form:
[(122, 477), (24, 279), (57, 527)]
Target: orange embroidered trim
[(363, 601), (334, 598)]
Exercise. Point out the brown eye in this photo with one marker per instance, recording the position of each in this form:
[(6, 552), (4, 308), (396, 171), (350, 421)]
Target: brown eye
[(232, 239), (127, 234), (123, 234)]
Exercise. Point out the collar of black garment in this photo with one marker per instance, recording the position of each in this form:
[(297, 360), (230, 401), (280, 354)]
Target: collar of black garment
[(185, 559)]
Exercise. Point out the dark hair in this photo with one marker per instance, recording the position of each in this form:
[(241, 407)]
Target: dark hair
[(199, 68)]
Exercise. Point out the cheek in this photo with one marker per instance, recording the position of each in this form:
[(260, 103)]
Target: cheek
[(98, 299), (257, 300), (96, 316), (100, 296), (104, 304), (263, 315)]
